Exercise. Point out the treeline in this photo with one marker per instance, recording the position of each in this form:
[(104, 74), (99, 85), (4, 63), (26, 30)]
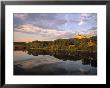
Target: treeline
[(69, 45), (20, 43)]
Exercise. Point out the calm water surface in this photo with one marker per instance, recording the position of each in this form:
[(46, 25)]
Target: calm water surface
[(29, 64)]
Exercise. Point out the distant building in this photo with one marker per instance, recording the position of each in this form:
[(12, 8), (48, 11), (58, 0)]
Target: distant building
[(79, 36)]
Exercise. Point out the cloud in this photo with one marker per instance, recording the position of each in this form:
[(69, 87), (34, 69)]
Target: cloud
[(81, 23), (27, 28), (87, 33), (93, 28), (38, 31), (84, 17), (85, 14), (23, 39), (57, 21), (51, 25), (91, 33), (20, 15)]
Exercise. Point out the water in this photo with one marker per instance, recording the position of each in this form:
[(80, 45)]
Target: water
[(32, 63)]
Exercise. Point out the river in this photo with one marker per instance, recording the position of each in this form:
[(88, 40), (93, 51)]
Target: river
[(26, 63)]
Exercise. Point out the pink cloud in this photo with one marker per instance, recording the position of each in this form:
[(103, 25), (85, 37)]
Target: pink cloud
[(87, 33), (85, 14), (23, 40), (41, 33), (29, 28)]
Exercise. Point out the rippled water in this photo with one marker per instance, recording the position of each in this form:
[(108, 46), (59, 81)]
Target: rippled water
[(25, 64)]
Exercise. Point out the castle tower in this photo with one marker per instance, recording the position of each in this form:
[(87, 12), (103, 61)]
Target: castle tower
[(79, 36)]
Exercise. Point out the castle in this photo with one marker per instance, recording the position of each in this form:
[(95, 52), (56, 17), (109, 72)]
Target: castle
[(79, 36)]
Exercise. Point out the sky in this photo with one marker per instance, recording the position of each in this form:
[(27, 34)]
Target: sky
[(51, 26)]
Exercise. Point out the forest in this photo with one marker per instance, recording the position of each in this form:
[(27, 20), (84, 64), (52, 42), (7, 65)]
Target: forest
[(67, 45)]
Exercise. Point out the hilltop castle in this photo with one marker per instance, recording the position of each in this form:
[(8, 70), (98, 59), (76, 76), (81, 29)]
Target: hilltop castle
[(79, 36)]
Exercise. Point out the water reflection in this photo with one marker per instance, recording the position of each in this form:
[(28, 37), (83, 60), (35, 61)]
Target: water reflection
[(45, 62), (87, 58)]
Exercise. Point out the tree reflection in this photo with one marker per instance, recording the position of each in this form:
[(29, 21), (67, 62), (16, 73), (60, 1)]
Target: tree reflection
[(87, 58)]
